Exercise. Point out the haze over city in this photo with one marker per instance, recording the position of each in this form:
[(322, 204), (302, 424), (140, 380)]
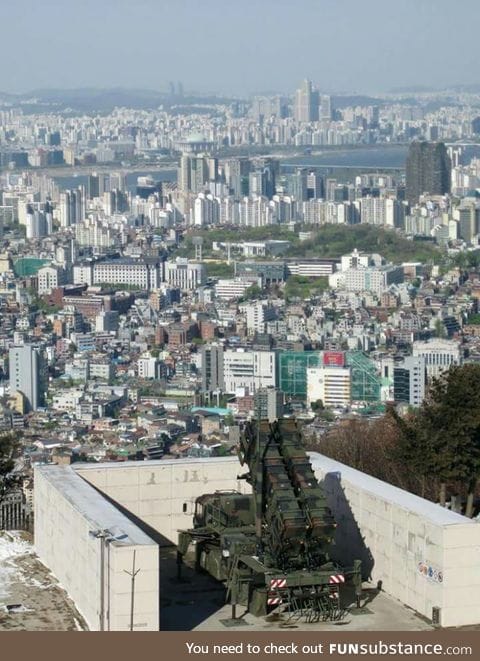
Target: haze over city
[(237, 47)]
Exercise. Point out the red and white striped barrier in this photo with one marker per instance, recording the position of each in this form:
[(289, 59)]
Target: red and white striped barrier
[(274, 601), (276, 583), (337, 578)]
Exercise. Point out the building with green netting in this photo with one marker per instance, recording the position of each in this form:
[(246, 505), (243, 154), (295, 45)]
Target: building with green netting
[(366, 382), (28, 266), (292, 371)]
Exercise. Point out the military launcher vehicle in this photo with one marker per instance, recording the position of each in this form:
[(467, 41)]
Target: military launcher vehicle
[(270, 548)]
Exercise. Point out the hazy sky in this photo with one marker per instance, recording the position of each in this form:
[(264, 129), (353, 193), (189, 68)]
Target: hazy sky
[(238, 46)]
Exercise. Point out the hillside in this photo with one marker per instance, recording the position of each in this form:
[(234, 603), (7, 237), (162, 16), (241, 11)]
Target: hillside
[(328, 241), (336, 240)]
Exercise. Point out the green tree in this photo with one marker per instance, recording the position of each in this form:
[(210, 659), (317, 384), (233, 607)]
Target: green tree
[(250, 294), (8, 450), (414, 448), (442, 440)]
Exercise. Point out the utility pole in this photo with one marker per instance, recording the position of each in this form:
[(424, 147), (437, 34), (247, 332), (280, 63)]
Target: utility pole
[(105, 537), (132, 574)]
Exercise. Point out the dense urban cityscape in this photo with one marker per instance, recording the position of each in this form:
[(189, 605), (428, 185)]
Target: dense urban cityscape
[(161, 312), (179, 269)]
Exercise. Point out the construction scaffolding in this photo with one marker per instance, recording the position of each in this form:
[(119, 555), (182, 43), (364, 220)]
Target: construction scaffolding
[(365, 379), (292, 370)]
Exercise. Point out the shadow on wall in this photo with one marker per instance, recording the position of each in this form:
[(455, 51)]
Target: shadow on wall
[(185, 603), (156, 536), (349, 544)]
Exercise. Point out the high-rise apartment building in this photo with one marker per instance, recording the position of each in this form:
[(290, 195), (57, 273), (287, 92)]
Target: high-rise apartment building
[(97, 185), (428, 170), (27, 374), (262, 180), (468, 217), (72, 206), (264, 107), (296, 184), (212, 367)]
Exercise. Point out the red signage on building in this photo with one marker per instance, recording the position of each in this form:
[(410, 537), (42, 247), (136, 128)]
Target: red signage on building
[(333, 359)]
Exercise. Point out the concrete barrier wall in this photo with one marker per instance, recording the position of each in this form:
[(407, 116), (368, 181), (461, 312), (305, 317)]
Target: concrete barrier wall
[(67, 512), (163, 493), (423, 554)]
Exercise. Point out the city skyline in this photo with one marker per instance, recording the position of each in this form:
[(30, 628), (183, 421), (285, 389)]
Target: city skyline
[(341, 46)]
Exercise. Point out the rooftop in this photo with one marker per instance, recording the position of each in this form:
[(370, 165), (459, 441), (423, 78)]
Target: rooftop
[(95, 508)]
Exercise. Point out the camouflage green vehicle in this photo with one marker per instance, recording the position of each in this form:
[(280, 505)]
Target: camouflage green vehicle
[(270, 548)]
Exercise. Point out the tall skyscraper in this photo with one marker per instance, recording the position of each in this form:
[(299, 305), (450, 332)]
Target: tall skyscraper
[(306, 103), (262, 180), (194, 172), (27, 374), (428, 170), (183, 177), (326, 111), (314, 185), (72, 206), (97, 184), (297, 184), (236, 171)]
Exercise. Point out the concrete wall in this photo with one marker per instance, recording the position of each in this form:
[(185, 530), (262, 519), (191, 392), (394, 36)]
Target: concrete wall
[(424, 555), (67, 511), (162, 493)]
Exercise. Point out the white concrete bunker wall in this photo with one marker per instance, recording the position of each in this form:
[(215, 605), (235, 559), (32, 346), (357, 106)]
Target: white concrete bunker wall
[(422, 554), (163, 493), (67, 511)]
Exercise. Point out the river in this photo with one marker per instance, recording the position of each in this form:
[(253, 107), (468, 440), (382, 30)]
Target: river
[(383, 156)]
